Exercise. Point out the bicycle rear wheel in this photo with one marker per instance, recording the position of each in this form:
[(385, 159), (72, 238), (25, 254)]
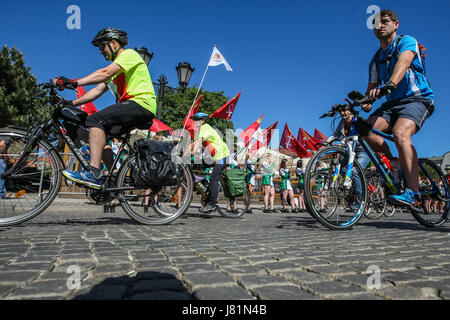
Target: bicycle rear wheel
[(34, 185), (377, 198), (233, 207), (326, 196), (153, 206), (433, 208)]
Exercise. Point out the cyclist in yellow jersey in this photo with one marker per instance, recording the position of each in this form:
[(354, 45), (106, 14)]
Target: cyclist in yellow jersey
[(217, 149), (128, 78)]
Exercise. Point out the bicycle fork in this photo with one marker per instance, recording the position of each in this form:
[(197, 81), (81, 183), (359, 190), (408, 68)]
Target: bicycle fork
[(351, 143)]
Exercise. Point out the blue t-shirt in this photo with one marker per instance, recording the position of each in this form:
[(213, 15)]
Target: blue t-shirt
[(414, 84)]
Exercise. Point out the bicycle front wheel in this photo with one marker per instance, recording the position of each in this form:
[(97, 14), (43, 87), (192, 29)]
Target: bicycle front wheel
[(335, 203), (154, 206), (433, 207), (33, 185)]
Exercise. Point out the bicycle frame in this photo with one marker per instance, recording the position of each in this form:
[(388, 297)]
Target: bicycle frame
[(351, 140)]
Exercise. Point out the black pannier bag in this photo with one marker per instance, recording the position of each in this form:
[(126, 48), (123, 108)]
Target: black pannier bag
[(154, 165)]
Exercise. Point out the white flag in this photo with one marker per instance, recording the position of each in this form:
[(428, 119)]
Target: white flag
[(217, 58)]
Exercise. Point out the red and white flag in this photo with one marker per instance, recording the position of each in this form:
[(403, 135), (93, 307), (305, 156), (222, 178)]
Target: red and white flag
[(226, 111), (306, 140), (89, 107), (188, 123), (265, 141), (248, 133), (290, 146), (217, 59), (158, 126), (319, 136)]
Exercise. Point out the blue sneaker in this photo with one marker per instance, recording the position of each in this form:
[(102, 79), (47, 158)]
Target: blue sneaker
[(406, 198), (84, 177)]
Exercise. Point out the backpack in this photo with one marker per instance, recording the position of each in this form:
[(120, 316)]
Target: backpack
[(235, 181), (422, 55), (154, 165)]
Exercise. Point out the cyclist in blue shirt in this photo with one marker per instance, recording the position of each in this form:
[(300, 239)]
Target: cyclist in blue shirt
[(397, 71)]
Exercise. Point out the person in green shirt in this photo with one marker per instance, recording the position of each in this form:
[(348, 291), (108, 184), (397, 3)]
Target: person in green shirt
[(128, 78), (217, 149)]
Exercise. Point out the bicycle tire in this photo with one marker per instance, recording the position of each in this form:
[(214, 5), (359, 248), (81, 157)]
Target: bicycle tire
[(35, 184), (376, 200), (241, 206), (320, 194), (153, 214), (340, 219), (390, 210), (424, 215)]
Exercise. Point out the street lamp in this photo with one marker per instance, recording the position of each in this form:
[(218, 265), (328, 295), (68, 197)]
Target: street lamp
[(184, 71), (145, 55), (162, 82)]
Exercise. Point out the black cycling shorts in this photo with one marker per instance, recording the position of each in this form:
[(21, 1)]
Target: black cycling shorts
[(126, 114)]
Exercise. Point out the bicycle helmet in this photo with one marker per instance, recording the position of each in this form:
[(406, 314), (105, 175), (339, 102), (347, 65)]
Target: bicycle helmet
[(200, 116), (109, 34)]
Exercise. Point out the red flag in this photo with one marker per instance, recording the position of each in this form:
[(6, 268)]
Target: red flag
[(248, 133), (306, 140), (226, 111), (188, 123), (289, 145), (267, 134), (158, 126), (320, 136), (89, 107)]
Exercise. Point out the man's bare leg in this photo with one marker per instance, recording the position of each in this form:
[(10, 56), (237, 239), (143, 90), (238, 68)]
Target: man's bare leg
[(376, 142), (403, 130)]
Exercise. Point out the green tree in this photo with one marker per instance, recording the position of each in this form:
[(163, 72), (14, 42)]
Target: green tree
[(176, 107), (19, 94)]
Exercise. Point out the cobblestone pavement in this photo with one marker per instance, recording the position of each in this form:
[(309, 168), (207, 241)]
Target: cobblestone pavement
[(75, 251)]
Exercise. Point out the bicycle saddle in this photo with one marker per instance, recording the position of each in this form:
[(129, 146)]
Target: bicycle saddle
[(118, 131)]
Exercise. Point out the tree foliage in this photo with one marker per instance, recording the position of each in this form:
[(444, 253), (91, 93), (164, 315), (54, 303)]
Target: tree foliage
[(177, 105), (19, 94)]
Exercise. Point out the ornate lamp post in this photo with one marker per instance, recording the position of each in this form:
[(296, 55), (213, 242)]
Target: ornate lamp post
[(145, 55), (184, 71)]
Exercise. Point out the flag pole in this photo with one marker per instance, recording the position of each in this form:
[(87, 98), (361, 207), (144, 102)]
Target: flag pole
[(198, 90)]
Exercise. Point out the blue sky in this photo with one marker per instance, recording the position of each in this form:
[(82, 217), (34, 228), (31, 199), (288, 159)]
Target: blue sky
[(292, 60)]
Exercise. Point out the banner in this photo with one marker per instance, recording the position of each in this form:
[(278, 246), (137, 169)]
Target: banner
[(247, 135), (217, 59), (188, 123), (290, 146), (226, 111)]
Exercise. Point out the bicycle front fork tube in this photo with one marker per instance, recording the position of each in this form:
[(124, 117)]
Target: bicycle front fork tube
[(351, 144)]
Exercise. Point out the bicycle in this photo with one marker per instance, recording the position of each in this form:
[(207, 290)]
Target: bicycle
[(343, 174), (232, 207), (34, 170)]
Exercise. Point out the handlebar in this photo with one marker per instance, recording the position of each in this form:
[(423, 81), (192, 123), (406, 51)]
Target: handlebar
[(55, 97), (358, 100)]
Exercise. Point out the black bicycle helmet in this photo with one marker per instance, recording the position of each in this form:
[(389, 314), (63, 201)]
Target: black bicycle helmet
[(109, 34)]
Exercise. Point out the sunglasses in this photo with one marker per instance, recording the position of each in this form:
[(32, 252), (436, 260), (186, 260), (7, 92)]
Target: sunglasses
[(102, 45)]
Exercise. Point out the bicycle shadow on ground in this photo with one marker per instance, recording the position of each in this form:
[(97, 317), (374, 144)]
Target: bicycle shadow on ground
[(298, 221), (145, 285), (413, 225), (86, 222)]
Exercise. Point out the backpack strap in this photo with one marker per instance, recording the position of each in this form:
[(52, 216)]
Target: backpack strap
[(389, 57)]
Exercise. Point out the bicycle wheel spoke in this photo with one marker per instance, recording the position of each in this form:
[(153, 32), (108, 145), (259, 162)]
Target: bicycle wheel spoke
[(32, 185), (333, 201), (154, 205)]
